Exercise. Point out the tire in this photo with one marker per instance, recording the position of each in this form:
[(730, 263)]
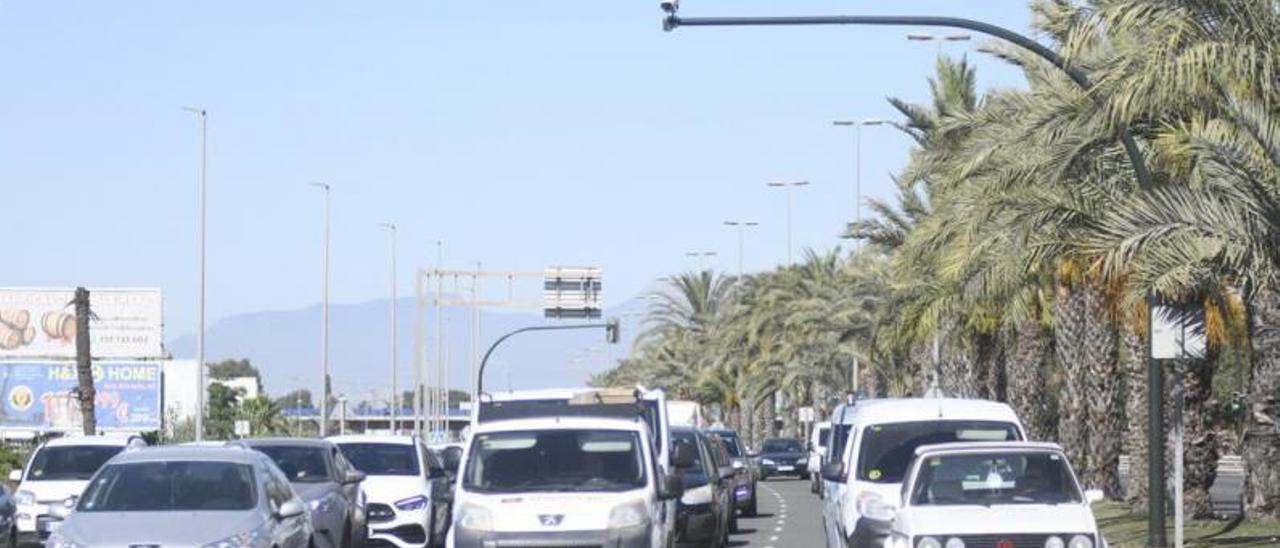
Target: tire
[(752, 510)]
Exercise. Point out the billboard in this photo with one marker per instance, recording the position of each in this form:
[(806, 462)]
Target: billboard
[(39, 396), (41, 323)]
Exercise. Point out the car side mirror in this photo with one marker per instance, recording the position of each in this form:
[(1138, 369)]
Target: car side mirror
[(15, 475), (442, 491), (727, 472), (682, 456), (834, 472), (353, 476), (672, 487), (1094, 496), (291, 509)]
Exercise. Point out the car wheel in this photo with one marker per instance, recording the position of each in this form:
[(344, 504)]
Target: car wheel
[(751, 510)]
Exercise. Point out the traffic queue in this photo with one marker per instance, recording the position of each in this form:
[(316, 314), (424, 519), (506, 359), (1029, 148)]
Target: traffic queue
[(573, 467)]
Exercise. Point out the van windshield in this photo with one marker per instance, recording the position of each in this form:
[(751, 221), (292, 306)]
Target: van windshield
[(824, 436), (995, 478), (887, 449), (555, 461)]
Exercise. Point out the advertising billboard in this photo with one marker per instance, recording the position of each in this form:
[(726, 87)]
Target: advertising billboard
[(40, 396), (41, 323)]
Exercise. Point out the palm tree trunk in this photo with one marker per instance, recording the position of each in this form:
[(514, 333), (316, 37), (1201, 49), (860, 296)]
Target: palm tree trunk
[(1200, 438), (1134, 367), (1261, 447), (1027, 381), (1070, 318), (1102, 382)]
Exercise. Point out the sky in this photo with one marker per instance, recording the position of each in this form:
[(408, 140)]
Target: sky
[(520, 134)]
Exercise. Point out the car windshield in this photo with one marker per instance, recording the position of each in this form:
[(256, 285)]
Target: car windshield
[(381, 459), (299, 464), (75, 462), (824, 436), (170, 486), (781, 446), (731, 443), (987, 479), (836, 440), (887, 449), (555, 460)]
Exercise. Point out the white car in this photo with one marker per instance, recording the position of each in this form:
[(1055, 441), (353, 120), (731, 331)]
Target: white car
[(1001, 494), (818, 440), (58, 470), (406, 489), (555, 472), (862, 482)]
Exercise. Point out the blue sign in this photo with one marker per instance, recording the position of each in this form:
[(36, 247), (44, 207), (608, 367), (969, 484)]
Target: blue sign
[(41, 396)]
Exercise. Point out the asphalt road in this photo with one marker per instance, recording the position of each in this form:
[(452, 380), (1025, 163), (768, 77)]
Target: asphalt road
[(790, 517)]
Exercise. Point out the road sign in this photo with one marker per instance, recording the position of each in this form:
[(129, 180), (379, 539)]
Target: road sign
[(571, 292), (242, 428), (806, 414)]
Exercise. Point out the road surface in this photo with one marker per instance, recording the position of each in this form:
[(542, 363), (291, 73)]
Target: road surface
[(790, 517)]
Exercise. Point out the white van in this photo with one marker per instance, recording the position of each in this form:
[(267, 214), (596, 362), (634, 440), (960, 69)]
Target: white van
[(872, 444), (818, 440), (578, 470)]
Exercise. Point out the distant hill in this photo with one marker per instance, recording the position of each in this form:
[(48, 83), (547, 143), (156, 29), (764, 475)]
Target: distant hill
[(285, 347)]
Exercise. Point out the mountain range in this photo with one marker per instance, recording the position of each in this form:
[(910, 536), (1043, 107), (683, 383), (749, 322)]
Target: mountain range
[(285, 347)]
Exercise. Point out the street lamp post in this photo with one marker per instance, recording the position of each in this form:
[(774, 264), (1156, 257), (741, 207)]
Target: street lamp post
[(857, 159), (1137, 160), (395, 380), (200, 238), (702, 258), (789, 186), (324, 320), (741, 226)]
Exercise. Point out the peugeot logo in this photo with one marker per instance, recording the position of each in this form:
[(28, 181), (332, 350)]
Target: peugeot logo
[(551, 520)]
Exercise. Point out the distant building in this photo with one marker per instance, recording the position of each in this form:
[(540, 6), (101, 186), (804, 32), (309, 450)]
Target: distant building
[(250, 387)]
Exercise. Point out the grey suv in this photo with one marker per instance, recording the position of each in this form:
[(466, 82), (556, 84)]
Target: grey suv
[(326, 481)]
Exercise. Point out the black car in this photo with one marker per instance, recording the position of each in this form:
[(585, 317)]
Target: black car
[(704, 513), (783, 457), (744, 468)]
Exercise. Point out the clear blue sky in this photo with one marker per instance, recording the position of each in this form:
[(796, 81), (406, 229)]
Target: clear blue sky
[(521, 133)]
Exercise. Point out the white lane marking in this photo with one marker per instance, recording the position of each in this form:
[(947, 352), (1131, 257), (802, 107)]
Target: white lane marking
[(773, 539)]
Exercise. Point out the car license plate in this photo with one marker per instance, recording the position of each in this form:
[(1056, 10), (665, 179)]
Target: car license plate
[(50, 526), (786, 468)]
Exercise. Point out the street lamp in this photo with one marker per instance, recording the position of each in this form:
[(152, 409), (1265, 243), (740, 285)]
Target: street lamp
[(324, 320), (857, 158), (702, 258), (789, 186), (395, 381), (200, 214), (740, 226), (929, 37)]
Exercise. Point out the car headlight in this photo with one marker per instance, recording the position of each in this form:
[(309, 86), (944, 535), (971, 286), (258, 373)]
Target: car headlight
[(928, 542), (247, 538), (25, 498), (898, 540), (954, 542), (698, 495), (323, 504), (475, 518), (631, 514), (56, 540), (767, 462), (873, 506), (1054, 542), (1080, 541), (416, 502)]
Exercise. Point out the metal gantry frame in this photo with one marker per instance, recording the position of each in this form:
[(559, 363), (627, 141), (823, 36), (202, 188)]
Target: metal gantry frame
[(431, 377)]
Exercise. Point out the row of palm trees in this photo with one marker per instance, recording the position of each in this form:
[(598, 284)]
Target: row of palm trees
[(1019, 257)]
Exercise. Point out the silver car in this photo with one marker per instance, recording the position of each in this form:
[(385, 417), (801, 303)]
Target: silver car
[(326, 481), (213, 497)]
